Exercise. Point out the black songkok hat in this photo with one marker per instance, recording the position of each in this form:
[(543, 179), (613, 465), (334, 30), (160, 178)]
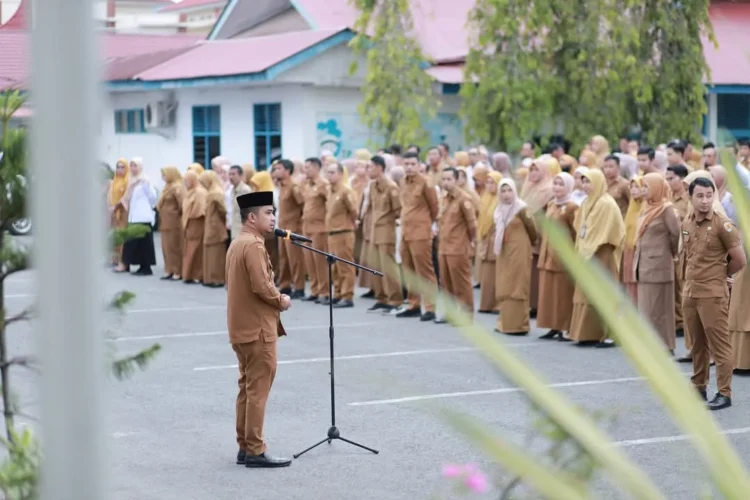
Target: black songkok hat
[(259, 199)]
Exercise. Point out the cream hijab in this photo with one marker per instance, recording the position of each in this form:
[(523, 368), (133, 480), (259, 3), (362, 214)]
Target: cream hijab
[(505, 212)]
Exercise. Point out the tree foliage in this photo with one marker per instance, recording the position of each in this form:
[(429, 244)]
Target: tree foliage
[(397, 93), (593, 66)]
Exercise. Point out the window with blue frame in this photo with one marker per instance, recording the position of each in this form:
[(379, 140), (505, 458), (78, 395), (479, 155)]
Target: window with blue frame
[(733, 114), (130, 121), (267, 127), (206, 134)]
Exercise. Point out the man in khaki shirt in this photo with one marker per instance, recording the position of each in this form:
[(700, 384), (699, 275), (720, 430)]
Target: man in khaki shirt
[(314, 227), (419, 210), (341, 214), (709, 239), (385, 203), (238, 189), (457, 231), (253, 320), (617, 186), (291, 203)]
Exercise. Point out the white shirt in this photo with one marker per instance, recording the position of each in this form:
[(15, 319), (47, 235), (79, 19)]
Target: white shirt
[(142, 203)]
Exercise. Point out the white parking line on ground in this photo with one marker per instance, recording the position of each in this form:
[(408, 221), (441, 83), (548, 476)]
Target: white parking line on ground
[(363, 356), (224, 332), (674, 439), (18, 295), (504, 390)]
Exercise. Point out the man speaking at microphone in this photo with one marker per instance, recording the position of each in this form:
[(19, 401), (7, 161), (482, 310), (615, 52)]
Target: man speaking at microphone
[(254, 308)]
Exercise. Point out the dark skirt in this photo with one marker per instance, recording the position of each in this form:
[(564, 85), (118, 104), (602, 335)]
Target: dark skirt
[(140, 251)]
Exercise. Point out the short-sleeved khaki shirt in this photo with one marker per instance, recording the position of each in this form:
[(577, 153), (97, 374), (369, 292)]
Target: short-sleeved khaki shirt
[(706, 243)]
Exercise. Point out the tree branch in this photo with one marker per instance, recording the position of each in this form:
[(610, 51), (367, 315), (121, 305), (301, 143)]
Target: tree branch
[(24, 315), (25, 361)]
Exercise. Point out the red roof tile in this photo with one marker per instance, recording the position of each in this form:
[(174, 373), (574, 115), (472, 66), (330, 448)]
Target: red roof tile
[(730, 63), (15, 43), (192, 4)]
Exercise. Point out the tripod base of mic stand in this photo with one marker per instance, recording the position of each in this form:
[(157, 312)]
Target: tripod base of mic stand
[(334, 433)]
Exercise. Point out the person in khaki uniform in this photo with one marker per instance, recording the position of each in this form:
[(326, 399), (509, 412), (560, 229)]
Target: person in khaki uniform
[(708, 239), (341, 214), (215, 232), (419, 209), (457, 231), (291, 203), (314, 227), (170, 218), (385, 204), (254, 323), (680, 200), (193, 225), (236, 174)]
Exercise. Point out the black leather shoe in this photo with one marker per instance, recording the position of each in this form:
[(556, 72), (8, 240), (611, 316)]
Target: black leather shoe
[(368, 295), (299, 294), (343, 304), (680, 332), (551, 335), (285, 291), (719, 402), (265, 461), (324, 301), (310, 298), (428, 316), (241, 457), (378, 306), (606, 343), (414, 312)]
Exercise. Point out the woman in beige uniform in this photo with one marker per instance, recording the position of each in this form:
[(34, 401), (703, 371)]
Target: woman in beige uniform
[(631, 223), (215, 233), (193, 222), (657, 243), (600, 235), (515, 236), (555, 286), (170, 222), (486, 244)]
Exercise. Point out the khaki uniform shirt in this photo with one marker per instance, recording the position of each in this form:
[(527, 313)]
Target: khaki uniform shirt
[(619, 189), (253, 301), (419, 208), (681, 204), (238, 190), (314, 211), (291, 203), (457, 227), (706, 243), (385, 204), (341, 208)]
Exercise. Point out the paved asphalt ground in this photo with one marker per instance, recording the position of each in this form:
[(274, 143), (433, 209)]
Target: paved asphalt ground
[(172, 426)]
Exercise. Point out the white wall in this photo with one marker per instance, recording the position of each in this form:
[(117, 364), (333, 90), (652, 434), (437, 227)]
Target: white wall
[(305, 115)]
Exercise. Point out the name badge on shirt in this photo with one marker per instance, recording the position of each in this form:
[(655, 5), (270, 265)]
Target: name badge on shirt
[(582, 232)]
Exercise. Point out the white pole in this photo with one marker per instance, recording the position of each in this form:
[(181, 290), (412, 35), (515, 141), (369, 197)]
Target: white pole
[(69, 248)]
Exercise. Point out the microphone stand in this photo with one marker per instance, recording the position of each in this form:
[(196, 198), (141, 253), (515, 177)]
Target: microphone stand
[(333, 431)]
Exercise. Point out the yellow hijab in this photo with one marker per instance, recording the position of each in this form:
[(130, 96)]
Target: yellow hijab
[(262, 181), (197, 168), (118, 187), (487, 205), (631, 216), (599, 221), (174, 181)]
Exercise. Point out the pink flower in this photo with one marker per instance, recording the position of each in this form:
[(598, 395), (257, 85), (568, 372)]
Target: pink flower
[(471, 476)]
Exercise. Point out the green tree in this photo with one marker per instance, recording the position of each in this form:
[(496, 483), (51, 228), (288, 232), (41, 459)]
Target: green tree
[(596, 66), (675, 69), (397, 93)]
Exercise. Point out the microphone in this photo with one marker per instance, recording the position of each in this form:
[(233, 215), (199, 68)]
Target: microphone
[(288, 235)]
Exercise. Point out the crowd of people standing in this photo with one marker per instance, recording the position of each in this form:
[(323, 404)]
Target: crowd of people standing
[(659, 220)]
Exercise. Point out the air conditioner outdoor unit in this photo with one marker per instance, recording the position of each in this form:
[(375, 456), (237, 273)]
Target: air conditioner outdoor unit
[(160, 114)]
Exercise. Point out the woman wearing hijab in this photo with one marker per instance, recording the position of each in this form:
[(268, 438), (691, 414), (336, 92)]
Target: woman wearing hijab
[(739, 321), (555, 287), (170, 222), (578, 194), (631, 223), (486, 244), (118, 215), (588, 159), (259, 182), (140, 201), (600, 147), (193, 226), (600, 234), (537, 193), (657, 244), (197, 168), (501, 163), (515, 235), (214, 233)]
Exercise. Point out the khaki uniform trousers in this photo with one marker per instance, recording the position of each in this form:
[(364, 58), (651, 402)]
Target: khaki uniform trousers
[(257, 362), (707, 320), (455, 279), (387, 288), (317, 267), (291, 266), (416, 257), (341, 244)]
